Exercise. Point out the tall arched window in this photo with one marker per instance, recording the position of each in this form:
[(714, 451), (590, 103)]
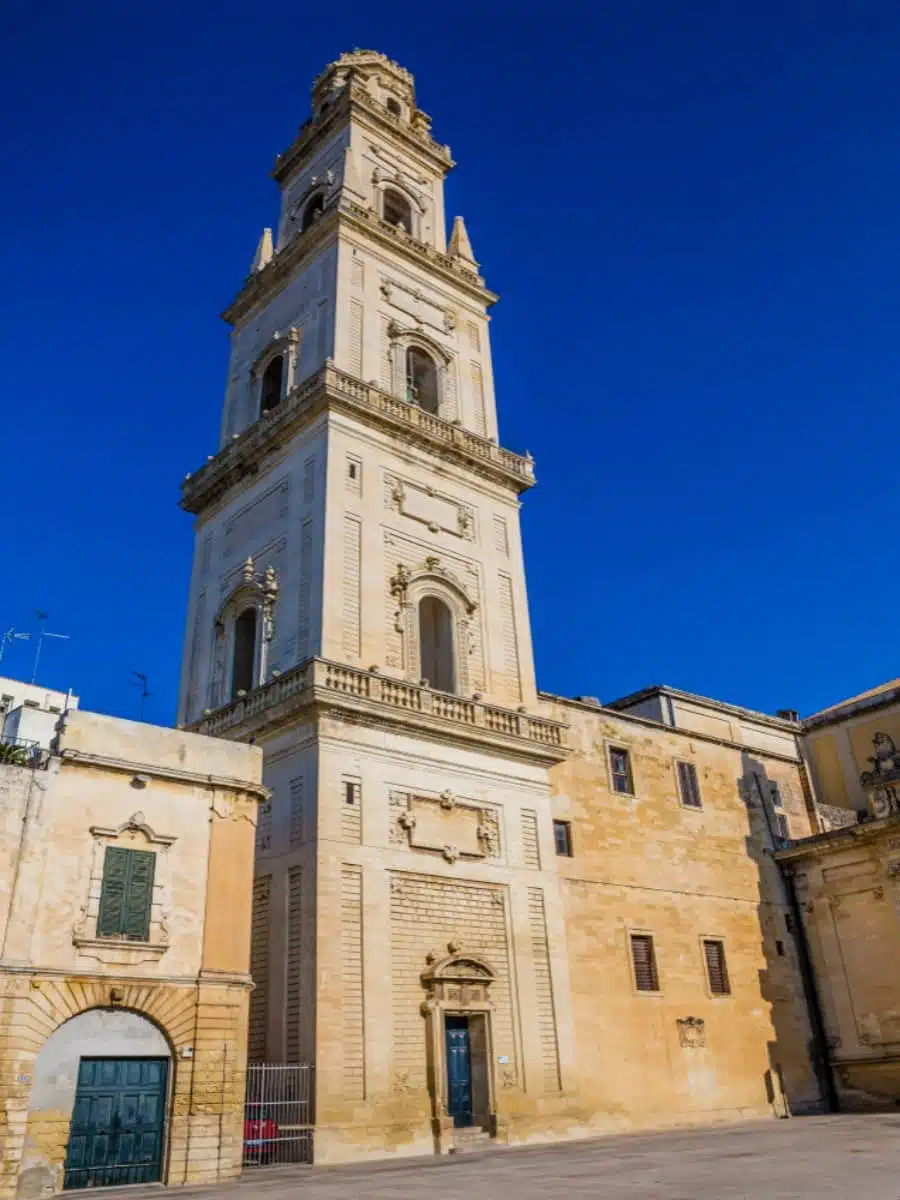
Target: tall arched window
[(397, 210), (421, 380), (244, 652), (436, 651), (272, 382), (314, 209)]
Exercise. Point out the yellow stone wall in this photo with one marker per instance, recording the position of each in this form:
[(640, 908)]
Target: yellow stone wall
[(849, 896)]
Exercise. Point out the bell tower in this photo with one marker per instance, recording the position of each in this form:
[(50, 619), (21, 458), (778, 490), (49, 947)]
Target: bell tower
[(358, 602)]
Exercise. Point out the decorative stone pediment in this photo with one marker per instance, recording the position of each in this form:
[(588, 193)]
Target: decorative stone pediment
[(460, 980)]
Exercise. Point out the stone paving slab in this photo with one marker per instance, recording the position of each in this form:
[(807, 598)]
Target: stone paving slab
[(852, 1157)]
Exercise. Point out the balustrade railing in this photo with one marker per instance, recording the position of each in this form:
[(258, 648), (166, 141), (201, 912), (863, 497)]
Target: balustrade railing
[(336, 678)]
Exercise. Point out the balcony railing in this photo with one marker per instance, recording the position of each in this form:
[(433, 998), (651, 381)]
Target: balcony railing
[(324, 679), (248, 447)]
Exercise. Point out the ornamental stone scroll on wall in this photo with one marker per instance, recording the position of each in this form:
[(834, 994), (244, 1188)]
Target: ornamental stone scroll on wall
[(445, 825)]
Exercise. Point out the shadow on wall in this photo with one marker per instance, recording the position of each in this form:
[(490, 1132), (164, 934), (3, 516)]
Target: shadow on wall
[(798, 1080)]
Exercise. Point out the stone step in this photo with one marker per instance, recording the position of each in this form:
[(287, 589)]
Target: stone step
[(470, 1139)]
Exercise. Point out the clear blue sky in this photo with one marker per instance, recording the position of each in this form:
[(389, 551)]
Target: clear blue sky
[(691, 211)]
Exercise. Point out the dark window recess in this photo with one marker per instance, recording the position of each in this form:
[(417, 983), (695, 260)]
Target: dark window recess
[(562, 836), (397, 210), (126, 894), (421, 380), (779, 948), (782, 828), (436, 650), (643, 956), (314, 209), (789, 922), (775, 793), (716, 970), (244, 652), (689, 785), (351, 470), (351, 792), (272, 382), (394, 106), (620, 768)]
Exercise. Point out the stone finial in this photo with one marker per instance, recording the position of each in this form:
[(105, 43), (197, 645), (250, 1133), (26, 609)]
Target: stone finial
[(247, 571), (460, 247), (264, 252)]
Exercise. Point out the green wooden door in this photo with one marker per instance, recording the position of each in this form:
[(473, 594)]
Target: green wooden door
[(118, 1123)]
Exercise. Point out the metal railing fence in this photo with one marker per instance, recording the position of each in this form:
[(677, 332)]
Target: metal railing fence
[(278, 1114)]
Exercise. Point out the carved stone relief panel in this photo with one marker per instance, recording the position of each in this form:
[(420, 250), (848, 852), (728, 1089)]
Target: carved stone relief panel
[(447, 825), (417, 305), (436, 510)]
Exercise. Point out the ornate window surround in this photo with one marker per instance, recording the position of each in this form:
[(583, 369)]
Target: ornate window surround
[(383, 181), (286, 346), (133, 834), (402, 337), (410, 588), (253, 590)]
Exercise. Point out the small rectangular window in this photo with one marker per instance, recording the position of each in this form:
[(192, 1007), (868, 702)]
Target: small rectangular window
[(643, 957), (351, 792), (775, 793), (562, 836), (782, 827), (620, 769), (716, 969), (689, 785), (126, 894)]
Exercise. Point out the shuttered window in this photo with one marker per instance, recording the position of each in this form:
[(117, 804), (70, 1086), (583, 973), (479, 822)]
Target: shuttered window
[(643, 956), (689, 785), (716, 970), (620, 770), (127, 894)]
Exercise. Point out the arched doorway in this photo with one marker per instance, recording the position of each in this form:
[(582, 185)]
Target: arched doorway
[(107, 1073)]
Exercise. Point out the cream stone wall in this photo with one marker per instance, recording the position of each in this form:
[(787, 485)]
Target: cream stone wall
[(192, 801), (847, 890)]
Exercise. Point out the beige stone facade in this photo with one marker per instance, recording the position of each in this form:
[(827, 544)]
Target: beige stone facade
[(576, 906), (173, 994)]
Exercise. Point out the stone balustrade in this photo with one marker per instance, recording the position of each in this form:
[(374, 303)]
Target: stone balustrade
[(320, 679)]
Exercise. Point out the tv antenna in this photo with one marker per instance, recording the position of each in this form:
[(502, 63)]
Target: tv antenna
[(142, 681), (12, 635), (43, 633)]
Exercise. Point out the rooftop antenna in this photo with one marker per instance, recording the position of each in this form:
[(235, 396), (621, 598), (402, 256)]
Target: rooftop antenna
[(12, 636), (141, 681), (43, 633)]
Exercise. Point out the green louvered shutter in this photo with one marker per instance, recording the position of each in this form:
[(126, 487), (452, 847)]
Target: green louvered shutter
[(112, 894), (126, 894), (138, 895)]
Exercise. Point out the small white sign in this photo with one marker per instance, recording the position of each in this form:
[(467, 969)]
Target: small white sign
[(502, 1058)]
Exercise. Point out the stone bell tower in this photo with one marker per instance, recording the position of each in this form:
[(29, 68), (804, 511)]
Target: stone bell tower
[(358, 607)]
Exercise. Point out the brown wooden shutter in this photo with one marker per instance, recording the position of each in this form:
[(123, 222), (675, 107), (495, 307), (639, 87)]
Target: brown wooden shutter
[(644, 959), (716, 969), (689, 785)]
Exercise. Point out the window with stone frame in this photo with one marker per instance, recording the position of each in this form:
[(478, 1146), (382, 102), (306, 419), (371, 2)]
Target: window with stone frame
[(643, 961), (437, 651), (244, 652), (716, 967), (689, 785), (620, 770), (272, 385), (396, 209), (126, 894), (313, 210), (422, 380), (562, 838)]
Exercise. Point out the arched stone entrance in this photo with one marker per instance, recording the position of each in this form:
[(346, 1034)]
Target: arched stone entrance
[(459, 1041), (99, 1103)]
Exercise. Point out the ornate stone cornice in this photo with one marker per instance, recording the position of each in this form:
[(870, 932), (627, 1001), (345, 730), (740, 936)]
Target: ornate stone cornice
[(355, 101), (343, 215), (333, 389), (365, 695)]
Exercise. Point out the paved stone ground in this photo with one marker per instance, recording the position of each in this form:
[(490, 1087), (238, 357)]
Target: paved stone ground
[(852, 1157)]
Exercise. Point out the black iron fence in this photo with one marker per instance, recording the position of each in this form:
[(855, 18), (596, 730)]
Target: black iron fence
[(278, 1118)]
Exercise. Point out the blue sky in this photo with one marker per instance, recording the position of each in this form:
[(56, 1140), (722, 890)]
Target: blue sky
[(690, 212)]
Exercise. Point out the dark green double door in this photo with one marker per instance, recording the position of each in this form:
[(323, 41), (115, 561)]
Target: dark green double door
[(118, 1122)]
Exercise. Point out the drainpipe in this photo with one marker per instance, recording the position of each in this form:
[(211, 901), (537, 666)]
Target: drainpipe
[(821, 1053)]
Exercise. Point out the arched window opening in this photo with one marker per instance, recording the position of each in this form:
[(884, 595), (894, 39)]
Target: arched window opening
[(421, 380), (397, 210), (272, 382), (312, 212), (244, 654), (394, 106), (436, 644)]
